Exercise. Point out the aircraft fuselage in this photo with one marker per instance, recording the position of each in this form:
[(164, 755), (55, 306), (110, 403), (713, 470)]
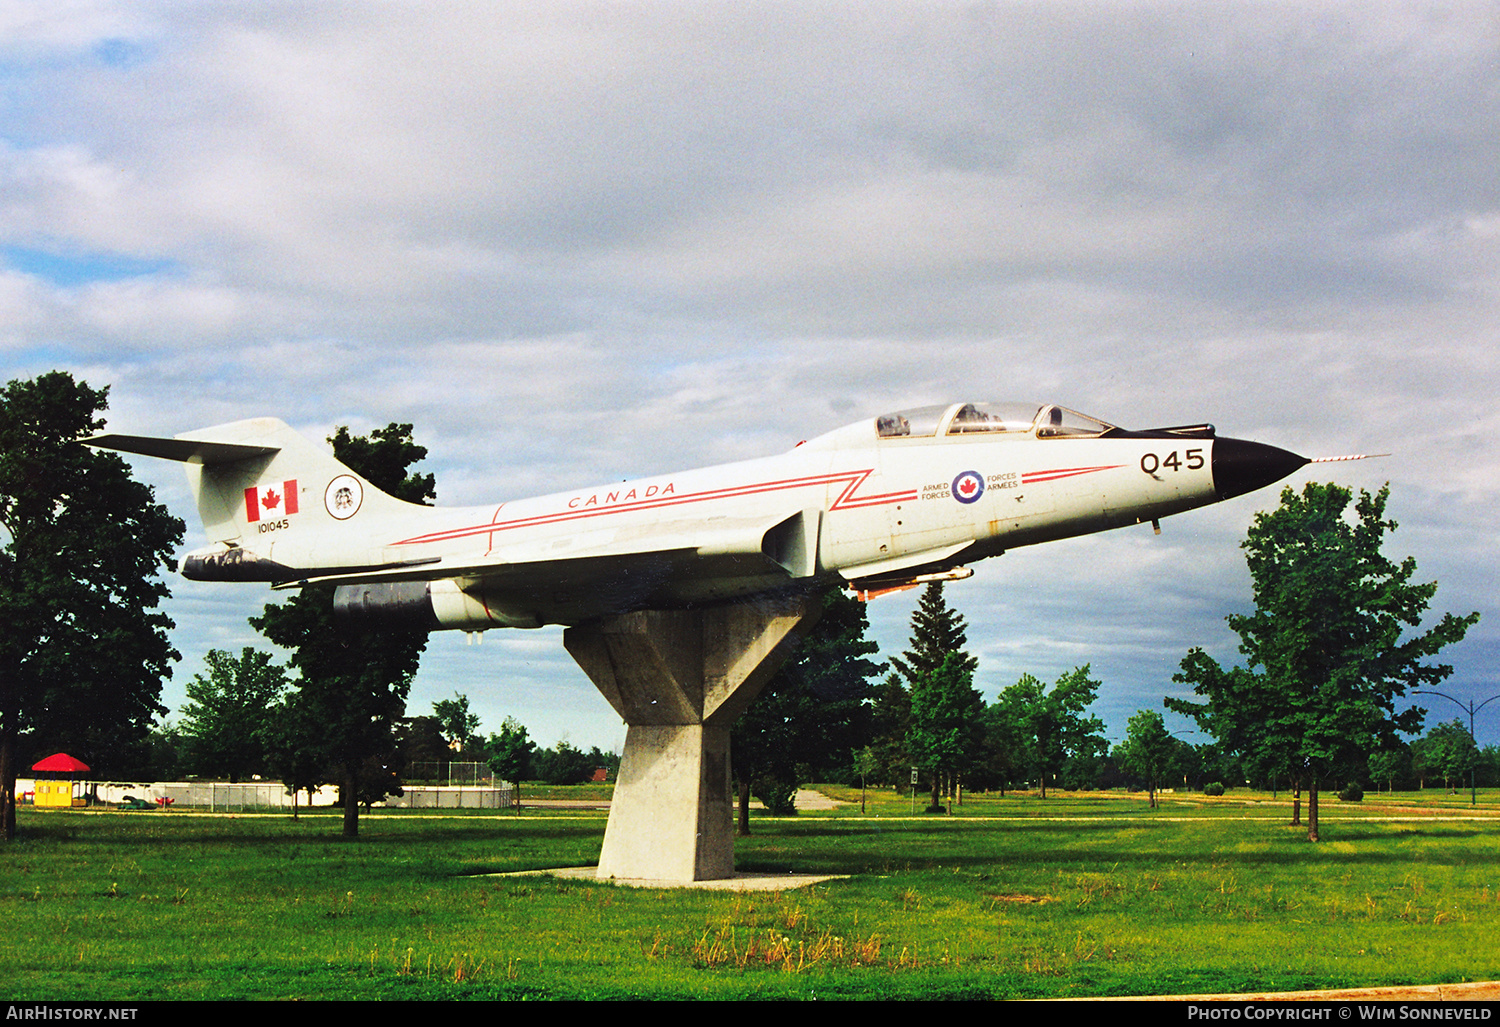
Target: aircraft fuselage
[(879, 505)]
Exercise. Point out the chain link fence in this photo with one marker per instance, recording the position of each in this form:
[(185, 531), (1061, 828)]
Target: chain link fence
[(452, 786), (442, 786), (467, 775), (456, 797), (222, 797)]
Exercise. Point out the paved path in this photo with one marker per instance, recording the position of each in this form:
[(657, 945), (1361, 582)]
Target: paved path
[(739, 882), (1473, 991), (807, 798)]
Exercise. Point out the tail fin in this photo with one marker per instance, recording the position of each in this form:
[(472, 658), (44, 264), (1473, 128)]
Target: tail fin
[(252, 478)]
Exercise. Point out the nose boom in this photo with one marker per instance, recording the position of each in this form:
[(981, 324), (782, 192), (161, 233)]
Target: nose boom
[(1241, 466)]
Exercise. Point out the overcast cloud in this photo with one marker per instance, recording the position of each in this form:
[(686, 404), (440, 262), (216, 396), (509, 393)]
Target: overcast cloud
[(573, 242)]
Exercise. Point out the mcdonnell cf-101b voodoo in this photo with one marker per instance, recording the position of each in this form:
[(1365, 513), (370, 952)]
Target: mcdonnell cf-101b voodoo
[(878, 505)]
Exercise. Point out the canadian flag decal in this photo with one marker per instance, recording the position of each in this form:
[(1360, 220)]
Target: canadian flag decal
[(271, 500)]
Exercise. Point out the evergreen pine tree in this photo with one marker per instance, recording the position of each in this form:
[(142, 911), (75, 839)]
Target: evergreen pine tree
[(945, 726), (811, 713), (936, 630), (891, 721)]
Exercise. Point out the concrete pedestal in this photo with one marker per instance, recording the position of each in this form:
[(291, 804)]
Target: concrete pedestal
[(680, 679)]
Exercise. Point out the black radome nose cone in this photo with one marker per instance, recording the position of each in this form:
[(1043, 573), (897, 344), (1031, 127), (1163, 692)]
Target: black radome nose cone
[(1241, 466)]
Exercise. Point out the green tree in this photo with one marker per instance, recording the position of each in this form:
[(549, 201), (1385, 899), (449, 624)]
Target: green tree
[(384, 459), (228, 710), (1388, 764), (353, 680), (511, 753), (293, 736), (1049, 725), (164, 755), (890, 715), (1331, 645), (83, 645), (945, 721), (455, 721), (1215, 764), (936, 630), (1267, 749), (1087, 762), (1447, 750), (1489, 765), (565, 764), (811, 713), (1009, 744), (1148, 751), (609, 762), (425, 749), (865, 765)]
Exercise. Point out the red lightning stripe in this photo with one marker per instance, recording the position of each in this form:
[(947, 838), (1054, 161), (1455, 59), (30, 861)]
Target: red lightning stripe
[(846, 500), (1032, 477)]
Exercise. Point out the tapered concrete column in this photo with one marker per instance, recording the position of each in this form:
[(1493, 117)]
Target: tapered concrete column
[(680, 679)]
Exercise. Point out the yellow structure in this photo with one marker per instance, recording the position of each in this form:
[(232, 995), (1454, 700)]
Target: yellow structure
[(54, 793), (58, 791)]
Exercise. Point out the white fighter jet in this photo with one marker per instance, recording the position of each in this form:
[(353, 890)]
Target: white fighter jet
[(879, 505)]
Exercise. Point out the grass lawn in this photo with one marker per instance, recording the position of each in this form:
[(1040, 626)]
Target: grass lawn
[(1078, 894)]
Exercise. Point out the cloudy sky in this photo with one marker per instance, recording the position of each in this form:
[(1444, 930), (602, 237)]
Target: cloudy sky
[(574, 242)]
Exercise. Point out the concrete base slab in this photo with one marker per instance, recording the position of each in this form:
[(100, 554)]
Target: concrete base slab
[(739, 882)]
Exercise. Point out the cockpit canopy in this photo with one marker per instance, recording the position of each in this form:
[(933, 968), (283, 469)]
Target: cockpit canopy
[(1047, 421)]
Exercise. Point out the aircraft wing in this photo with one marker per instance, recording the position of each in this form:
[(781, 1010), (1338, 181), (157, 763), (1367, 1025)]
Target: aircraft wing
[(786, 546), (501, 569), (549, 590)]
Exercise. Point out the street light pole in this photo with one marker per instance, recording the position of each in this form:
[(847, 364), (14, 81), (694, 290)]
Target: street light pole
[(1470, 709)]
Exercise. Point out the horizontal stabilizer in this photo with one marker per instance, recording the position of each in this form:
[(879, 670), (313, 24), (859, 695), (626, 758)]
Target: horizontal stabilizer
[(188, 451)]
